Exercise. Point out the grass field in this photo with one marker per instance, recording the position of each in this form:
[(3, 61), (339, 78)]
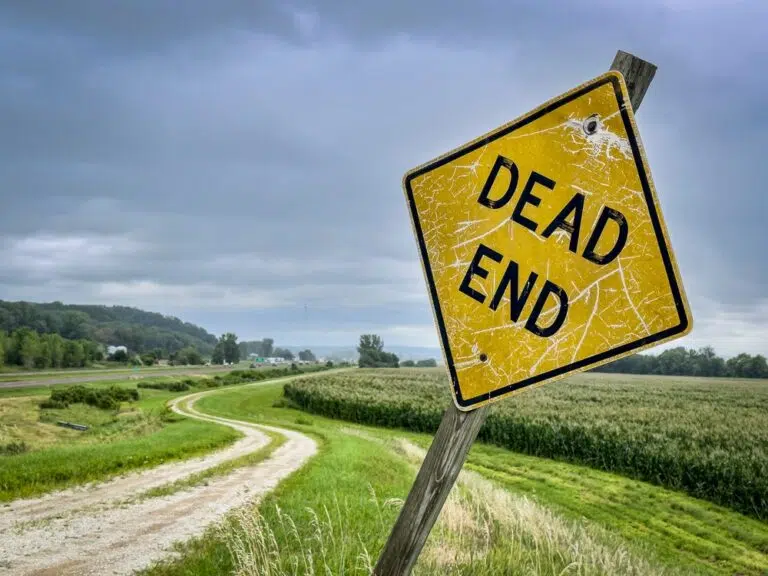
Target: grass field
[(513, 514), (140, 435), (37, 455), (708, 437), (15, 375)]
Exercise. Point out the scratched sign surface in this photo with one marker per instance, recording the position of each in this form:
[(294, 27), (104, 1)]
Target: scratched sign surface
[(544, 247)]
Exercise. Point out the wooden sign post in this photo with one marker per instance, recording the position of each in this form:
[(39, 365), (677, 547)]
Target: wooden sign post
[(554, 341)]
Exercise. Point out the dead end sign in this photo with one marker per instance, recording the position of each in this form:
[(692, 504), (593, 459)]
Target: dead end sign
[(544, 248)]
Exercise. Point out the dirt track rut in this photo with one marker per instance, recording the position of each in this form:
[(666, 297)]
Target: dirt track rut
[(98, 530)]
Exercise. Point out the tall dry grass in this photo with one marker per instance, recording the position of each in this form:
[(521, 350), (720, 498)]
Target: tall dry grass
[(482, 530)]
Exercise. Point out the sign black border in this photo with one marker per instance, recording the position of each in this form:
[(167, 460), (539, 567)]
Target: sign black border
[(658, 229)]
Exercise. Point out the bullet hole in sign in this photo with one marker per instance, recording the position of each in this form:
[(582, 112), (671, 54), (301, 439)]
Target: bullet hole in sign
[(591, 125)]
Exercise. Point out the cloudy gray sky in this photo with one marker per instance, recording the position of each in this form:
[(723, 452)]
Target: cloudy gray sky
[(238, 163)]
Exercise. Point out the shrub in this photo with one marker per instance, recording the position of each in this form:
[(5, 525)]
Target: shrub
[(103, 398), (53, 404), (173, 386), (13, 448)]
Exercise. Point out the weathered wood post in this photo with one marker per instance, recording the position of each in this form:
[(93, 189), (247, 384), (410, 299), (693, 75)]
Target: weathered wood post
[(459, 429)]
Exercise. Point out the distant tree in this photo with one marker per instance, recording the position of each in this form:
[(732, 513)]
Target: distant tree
[(3, 339), (56, 348), (190, 355), (267, 347), (329, 364), (229, 348), (427, 363), (119, 356), (283, 353), (74, 355), (25, 344), (370, 343), (148, 359), (43, 353), (407, 363), (92, 350), (372, 355), (218, 354), (307, 356)]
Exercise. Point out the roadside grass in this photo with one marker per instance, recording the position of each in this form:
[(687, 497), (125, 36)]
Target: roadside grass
[(338, 510), (19, 392), (15, 373), (127, 382), (141, 435)]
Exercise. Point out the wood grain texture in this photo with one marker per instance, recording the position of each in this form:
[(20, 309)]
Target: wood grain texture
[(637, 73), (434, 481), (458, 429)]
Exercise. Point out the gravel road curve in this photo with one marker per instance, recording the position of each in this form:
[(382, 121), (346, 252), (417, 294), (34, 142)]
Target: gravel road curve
[(96, 529)]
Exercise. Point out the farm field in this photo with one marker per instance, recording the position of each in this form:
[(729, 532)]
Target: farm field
[(510, 513), (37, 455), (706, 437)]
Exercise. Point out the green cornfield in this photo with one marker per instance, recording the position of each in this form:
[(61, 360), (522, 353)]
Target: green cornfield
[(706, 437)]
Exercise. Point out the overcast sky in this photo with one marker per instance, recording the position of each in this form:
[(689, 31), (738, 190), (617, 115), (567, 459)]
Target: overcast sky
[(238, 163)]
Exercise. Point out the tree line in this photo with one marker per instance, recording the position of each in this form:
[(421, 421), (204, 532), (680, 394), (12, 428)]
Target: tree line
[(24, 347), (680, 361), (427, 363), (28, 349), (229, 350), (265, 348)]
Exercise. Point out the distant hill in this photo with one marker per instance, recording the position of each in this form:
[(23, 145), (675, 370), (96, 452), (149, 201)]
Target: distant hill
[(139, 330)]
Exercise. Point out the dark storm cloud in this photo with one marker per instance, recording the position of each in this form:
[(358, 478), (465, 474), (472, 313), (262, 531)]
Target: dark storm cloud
[(249, 154)]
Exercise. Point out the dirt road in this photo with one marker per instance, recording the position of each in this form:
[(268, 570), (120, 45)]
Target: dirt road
[(99, 530), (107, 377)]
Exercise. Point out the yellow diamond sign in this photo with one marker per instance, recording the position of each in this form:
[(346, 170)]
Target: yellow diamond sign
[(544, 247)]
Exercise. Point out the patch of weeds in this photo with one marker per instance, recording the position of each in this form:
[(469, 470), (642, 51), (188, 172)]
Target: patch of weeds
[(13, 448)]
